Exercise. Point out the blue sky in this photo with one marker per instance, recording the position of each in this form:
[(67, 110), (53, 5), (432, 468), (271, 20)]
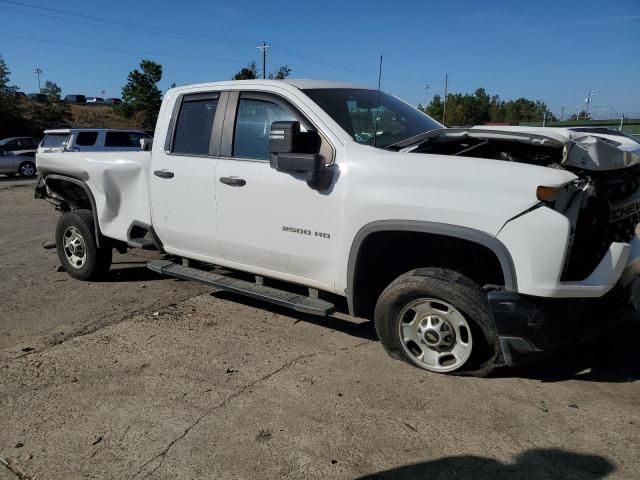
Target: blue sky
[(550, 50)]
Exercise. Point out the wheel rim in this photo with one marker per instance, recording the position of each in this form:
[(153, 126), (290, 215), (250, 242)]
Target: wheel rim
[(27, 169), (74, 247), (435, 335)]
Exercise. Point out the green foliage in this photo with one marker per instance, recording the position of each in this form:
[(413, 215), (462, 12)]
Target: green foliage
[(479, 108), (53, 113), (141, 95), (282, 73), (11, 120), (582, 115), (250, 72)]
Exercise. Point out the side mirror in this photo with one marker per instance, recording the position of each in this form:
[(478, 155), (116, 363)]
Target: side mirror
[(145, 144), (293, 150)]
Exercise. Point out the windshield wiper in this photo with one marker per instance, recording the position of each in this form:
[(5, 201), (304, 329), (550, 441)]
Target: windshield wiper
[(409, 141)]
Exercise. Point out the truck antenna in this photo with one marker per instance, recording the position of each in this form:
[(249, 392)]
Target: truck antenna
[(375, 131)]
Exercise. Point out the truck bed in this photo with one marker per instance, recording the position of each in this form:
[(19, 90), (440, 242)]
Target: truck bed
[(124, 175)]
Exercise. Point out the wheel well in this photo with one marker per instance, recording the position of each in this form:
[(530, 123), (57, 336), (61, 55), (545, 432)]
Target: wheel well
[(72, 194), (383, 256)]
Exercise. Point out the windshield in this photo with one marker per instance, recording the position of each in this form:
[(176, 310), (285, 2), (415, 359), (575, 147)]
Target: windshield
[(364, 117)]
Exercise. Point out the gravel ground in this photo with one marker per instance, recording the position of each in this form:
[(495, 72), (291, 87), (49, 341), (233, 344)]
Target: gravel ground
[(145, 377)]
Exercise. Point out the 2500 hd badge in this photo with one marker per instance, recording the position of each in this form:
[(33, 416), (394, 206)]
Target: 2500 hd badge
[(304, 231)]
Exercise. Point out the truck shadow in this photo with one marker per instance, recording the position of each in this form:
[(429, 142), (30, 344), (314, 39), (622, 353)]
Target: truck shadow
[(616, 359), (532, 464), (337, 322), (133, 273)]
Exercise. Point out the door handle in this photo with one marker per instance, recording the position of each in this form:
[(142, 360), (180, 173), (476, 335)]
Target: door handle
[(233, 181), (163, 173)]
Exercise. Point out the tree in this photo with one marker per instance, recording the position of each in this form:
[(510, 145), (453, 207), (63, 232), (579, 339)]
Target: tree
[(582, 115), (480, 108), (250, 72), (435, 108), (11, 120), (282, 73), (53, 113), (141, 95)]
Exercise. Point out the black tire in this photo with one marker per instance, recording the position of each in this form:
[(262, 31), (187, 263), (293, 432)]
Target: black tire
[(97, 261), (456, 290), (27, 169)]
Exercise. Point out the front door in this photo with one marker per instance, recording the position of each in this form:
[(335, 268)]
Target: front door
[(183, 177), (271, 222)]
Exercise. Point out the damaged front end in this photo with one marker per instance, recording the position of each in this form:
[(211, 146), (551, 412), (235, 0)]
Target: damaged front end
[(591, 292), (602, 204)]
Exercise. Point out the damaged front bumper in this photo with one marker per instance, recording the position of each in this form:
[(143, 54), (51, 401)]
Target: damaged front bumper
[(530, 325)]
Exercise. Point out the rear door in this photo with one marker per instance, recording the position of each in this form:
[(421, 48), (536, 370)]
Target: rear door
[(183, 185)]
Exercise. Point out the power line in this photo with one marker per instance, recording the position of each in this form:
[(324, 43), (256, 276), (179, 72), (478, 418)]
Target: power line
[(120, 25), (107, 23), (119, 50)]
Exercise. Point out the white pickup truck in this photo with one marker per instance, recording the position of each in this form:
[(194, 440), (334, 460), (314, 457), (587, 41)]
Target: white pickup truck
[(469, 247)]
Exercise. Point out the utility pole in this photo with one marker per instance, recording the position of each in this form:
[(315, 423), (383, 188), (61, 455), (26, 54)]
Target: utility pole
[(444, 108), (426, 89), (38, 71), (263, 48), (544, 119), (590, 94), (562, 113)]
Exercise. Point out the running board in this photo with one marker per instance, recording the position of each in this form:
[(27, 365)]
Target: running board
[(300, 303)]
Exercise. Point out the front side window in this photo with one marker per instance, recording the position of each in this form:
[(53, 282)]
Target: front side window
[(86, 139), (253, 122), (372, 117), (193, 129)]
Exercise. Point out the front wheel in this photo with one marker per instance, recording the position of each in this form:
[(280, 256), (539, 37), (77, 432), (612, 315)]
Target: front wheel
[(77, 248), (437, 320), (27, 169)]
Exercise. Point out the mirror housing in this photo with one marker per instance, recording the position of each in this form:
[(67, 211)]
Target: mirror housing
[(293, 150), (145, 144)]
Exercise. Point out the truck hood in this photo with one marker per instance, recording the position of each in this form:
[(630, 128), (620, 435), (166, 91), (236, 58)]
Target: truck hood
[(479, 193), (584, 150)]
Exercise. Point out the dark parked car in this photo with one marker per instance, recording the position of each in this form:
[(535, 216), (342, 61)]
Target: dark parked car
[(13, 144), (37, 97), (112, 101), (19, 94), (75, 99)]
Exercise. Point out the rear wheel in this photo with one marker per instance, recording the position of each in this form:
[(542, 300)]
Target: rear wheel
[(77, 248), (27, 169), (437, 320)]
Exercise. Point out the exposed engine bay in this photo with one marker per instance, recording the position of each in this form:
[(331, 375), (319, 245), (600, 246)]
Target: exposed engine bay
[(603, 203)]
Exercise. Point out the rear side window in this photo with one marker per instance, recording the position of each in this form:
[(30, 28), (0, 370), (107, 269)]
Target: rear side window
[(193, 129), (86, 139), (123, 139), (54, 140)]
